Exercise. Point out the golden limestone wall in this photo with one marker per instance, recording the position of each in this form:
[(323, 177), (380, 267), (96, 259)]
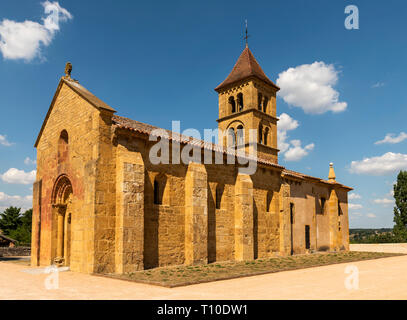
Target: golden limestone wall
[(252, 221), (115, 226), (328, 230), (81, 121)]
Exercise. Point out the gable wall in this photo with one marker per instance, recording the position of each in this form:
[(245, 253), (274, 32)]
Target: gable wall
[(82, 122)]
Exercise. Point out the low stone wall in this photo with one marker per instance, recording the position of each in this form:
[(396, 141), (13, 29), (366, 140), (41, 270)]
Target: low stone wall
[(16, 251), (380, 247)]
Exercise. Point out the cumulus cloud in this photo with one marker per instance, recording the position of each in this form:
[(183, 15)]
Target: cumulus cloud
[(4, 141), (292, 150), (392, 138), (378, 85), (28, 161), (296, 152), (285, 123), (384, 201), (354, 196), (24, 40), (382, 165), (16, 176), (354, 206), (24, 202), (310, 87)]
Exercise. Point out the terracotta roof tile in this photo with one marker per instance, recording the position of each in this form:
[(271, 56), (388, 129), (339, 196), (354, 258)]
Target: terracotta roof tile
[(136, 126), (87, 95), (245, 67)]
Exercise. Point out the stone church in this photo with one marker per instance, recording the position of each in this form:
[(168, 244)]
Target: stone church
[(102, 206)]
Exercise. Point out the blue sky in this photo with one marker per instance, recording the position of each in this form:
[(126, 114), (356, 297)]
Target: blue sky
[(160, 61)]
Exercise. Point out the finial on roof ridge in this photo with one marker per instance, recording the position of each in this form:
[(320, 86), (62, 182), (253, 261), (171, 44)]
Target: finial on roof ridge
[(331, 176), (247, 36), (68, 70)]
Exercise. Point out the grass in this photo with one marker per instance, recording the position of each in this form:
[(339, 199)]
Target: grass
[(176, 276)]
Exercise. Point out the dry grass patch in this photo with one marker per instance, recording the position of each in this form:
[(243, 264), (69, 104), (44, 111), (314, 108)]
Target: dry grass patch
[(186, 275)]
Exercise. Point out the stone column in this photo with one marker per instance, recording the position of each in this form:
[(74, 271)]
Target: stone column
[(333, 220), (196, 214), (244, 243), (36, 224), (60, 236), (285, 220), (129, 256)]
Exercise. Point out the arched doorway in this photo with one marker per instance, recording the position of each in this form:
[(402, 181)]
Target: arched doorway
[(62, 217)]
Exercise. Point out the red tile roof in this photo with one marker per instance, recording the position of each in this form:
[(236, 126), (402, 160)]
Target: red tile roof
[(143, 128), (245, 67)]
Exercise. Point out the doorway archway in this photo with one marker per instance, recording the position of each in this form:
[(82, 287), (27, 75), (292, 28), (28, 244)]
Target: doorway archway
[(61, 204)]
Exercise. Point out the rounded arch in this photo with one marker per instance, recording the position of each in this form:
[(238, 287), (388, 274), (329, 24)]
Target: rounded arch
[(159, 186), (240, 101), (260, 133), (62, 190), (266, 136), (232, 104), (231, 137), (240, 135), (63, 142), (265, 104)]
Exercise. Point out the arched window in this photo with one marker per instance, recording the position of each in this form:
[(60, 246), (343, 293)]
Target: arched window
[(240, 101), (240, 135), (260, 134), (232, 104), (265, 103), (269, 200), (266, 135), (63, 146), (219, 193), (259, 100), (231, 137), (157, 199), (159, 187)]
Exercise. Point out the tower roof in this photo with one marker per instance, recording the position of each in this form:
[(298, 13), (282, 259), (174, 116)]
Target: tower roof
[(245, 67)]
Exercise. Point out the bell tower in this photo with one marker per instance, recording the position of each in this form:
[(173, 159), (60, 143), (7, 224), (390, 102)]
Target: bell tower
[(247, 102)]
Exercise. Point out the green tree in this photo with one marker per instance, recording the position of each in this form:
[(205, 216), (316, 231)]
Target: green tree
[(10, 220), (400, 210), (23, 232)]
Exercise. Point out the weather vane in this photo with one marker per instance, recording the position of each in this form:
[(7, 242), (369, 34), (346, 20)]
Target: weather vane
[(247, 36)]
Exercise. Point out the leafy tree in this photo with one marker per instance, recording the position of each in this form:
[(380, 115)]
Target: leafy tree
[(23, 232), (10, 220), (17, 225), (400, 210)]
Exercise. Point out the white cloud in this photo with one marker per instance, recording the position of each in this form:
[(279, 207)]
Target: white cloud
[(285, 123), (23, 40), (378, 85), (354, 206), (296, 152), (4, 141), (384, 201), (354, 196), (382, 165), (28, 161), (371, 215), (292, 150), (310, 87), (16, 176), (24, 202), (392, 138), (358, 214)]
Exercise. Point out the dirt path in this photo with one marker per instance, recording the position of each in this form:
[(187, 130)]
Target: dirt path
[(378, 279)]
